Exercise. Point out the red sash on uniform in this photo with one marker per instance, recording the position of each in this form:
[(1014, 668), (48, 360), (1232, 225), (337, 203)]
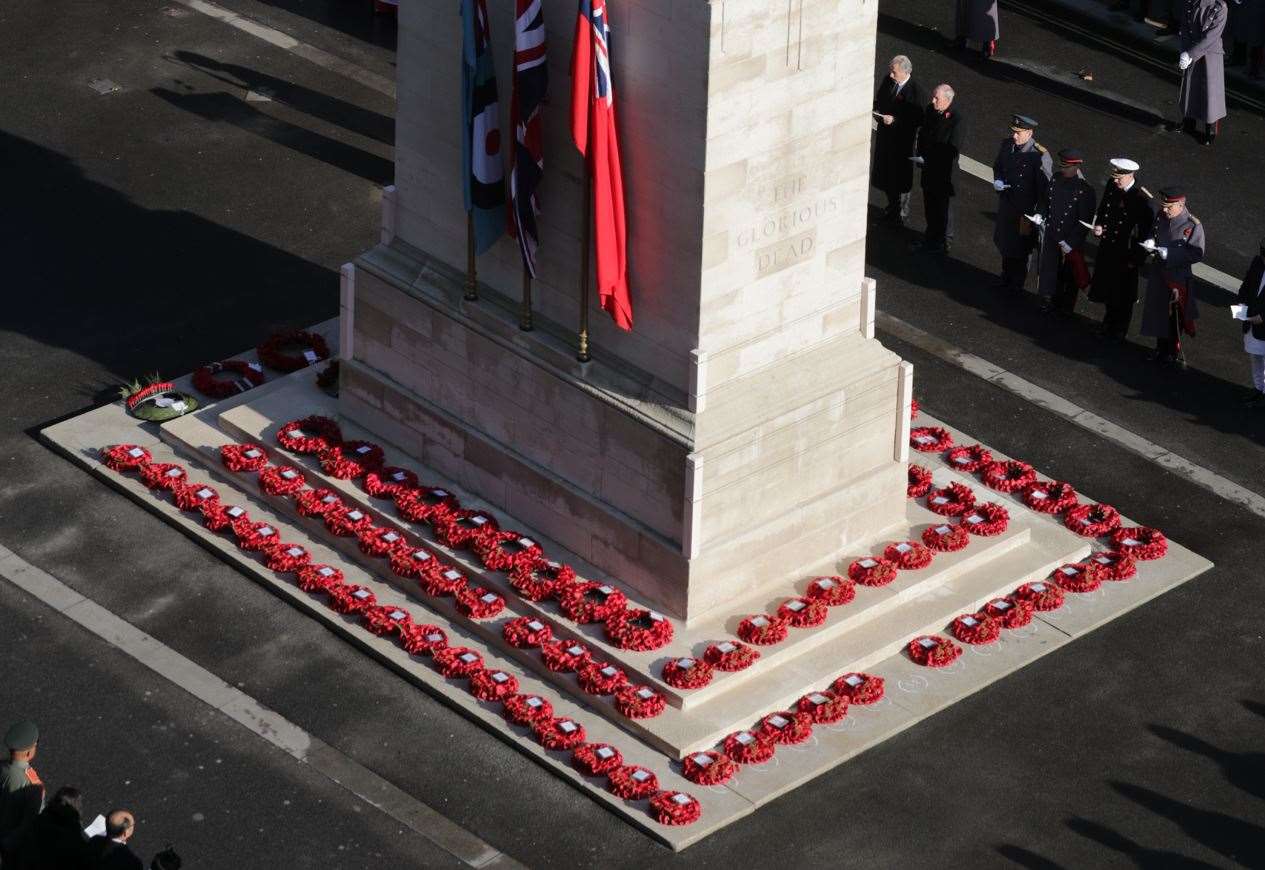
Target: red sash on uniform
[(1183, 296), (1076, 263)]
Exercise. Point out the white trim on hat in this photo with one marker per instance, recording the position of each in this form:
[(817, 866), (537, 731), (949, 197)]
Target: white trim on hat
[(1124, 164)]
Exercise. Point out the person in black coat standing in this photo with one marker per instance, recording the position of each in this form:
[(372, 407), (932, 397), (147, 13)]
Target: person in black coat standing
[(1122, 222), (939, 144), (898, 110), (1252, 295), (55, 840), (111, 850)]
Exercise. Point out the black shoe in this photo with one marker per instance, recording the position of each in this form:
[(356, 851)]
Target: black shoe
[(1256, 400), (1046, 306), (1208, 138), (1157, 356), (1173, 126)]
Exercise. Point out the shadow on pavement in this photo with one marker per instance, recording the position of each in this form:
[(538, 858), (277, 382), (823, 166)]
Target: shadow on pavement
[(355, 18), (93, 272), (1206, 399), (1254, 707), (341, 113), (232, 110), (1026, 858), (1241, 841), (1243, 770), (1148, 859)]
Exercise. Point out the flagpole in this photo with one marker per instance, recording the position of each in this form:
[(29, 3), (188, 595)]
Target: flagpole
[(472, 283), (524, 314), (586, 245)]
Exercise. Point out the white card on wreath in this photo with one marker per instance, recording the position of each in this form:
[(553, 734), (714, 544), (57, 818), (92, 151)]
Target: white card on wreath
[(478, 521), (943, 530), (329, 499), (604, 752), (488, 597), (1040, 494), (825, 583), (1130, 542), (818, 698), (641, 775), (390, 537), (853, 680), (174, 472), (567, 726), (252, 454), (1000, 604), (296, 433), (778, 721), (1037, 587), (975, 519), (605, 590), (681, 799), (903, 548), (434, 637), (326, 571), (608, 672), (294, 552), (452, 574), (526, 543), (267, 531), (310, 356), (867, 563), (534, 626), (970, 621), (760, 622), (744, 737), (363, 449), (940, 500), (204, 493), (439, 493), (421, 555), (685, 664), (702, 760), (645, 694), (398, 476), (534, 702), (397, 614), (1069, 571), (136, 453), (468, 657), (796, 606), (961, 460), (927, 643), (500, 677), (362, 594), (355, 516), (575, 650)]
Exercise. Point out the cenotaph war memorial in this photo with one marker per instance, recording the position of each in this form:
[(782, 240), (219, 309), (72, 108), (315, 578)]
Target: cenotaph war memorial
[(617, 467)]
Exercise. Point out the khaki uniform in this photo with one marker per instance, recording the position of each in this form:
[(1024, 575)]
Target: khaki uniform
[(21, 800)]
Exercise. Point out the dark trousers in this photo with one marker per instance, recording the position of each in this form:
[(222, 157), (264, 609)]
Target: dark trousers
[(1065, 292), (897, 203), (1014, 272), (939, 208), (1115, 321)]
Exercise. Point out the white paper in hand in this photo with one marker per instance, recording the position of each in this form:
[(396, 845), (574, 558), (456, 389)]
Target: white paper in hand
[(1238, 312), (96, 829)]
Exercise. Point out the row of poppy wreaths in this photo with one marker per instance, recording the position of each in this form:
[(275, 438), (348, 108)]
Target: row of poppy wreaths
[(1090, 520), (286, 351), (532, 711), (437, 578)]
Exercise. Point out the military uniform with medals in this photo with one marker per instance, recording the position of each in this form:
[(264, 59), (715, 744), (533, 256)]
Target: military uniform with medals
[(1021, 176)]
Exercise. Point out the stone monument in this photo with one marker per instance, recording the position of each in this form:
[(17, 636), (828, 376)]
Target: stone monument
[(749, 427)]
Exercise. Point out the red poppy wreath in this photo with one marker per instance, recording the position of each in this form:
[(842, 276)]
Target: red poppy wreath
[(639, 702), (930, 439), (945, 538), (459, 529), (351, 459), (985, 519), (932, 651), (591, 602), (219, 380), (687, 673), (559, 733), (441, 581), (347, 521), (832, 591), (217, 517), (243, 457), (968, 458), (675, 808), (350, 598), (163, 475), (1041, 595), (316, 502), (309, 435), (632, 782), (425, 504), (786, 727), (1049, 496), (527, 709), (318, 578), (1115, 565), (708, 768), (730, 656), (950, 501), (412, 562), (976, 628), (479, 602), (457, 661), (1011, 612), (747, 747), (919, 481), (385, 619), (381, 541), (563, 656), (763, 630), (281, 480), (638, 629), (600, 678), (526, 632), (540, 579), (420, 639), (908, 555), (871, 571), (1092, 520), (254, 537), (505, 550), (286, 558), (1140, 542), (492, 684), (803, 612), (823, 707), (596, 759), (1078, 577), (192, 496), (859, 688), (123, 457), (387, 481), (289, 350), (1009, 475)]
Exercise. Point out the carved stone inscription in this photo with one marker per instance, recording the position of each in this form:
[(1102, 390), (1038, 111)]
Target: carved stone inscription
[(787, 235)]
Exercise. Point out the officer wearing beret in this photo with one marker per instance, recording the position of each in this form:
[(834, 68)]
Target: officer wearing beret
[(1176, 244), (1123, 220), (21, 790), (1021, 177), (1062, 217)]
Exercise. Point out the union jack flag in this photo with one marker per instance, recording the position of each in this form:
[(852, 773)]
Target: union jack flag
[(531, 87), (594, 130)]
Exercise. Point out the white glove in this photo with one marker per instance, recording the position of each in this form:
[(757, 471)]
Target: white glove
[(1065, 247), (1183, 60), (999, 185), (918, 160), (1149, 244), (1163, 252), (1037, 219)]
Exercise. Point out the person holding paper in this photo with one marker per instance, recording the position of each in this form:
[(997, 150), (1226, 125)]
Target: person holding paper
[(1021, 177), (1176, 244), (1063, 218), (939, 144), (1124, 219), (898, 110), (56, 840), (1252, 300), (111, 849)]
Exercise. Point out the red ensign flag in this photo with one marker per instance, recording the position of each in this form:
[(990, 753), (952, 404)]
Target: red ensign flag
[(593, 128)]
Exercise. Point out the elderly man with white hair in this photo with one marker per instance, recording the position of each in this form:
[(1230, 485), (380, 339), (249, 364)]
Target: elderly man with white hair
[(898, 110), (939, 145)]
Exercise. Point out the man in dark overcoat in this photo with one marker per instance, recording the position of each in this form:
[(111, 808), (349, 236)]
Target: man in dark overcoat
[(1124, 219), (977, 21), (939, 145), (1021, 177), (1202, 62), (898, 110), (1062, 217), (1176, 244)]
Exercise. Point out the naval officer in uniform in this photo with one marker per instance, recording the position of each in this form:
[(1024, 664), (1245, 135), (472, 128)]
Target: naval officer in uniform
[(1021, 177), (1123, 220), (1176, 244)]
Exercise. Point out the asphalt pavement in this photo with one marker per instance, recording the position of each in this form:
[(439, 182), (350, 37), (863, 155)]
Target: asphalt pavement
[(176, 220)]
